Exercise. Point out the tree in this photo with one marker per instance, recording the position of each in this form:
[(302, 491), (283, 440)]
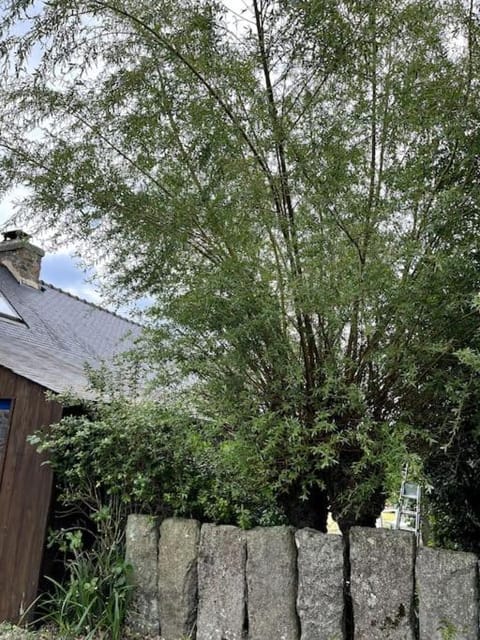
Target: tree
[(452, 466), (280, 180), (444, 403)]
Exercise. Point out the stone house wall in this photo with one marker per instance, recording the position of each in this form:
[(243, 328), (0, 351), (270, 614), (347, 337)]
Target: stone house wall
[(214, 582)]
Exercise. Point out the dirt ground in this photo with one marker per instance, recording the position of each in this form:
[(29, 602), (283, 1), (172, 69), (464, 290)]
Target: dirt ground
[(10, 632)]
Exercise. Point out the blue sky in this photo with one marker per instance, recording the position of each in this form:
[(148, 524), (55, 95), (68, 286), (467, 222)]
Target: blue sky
[(59, 268), (62, 269)]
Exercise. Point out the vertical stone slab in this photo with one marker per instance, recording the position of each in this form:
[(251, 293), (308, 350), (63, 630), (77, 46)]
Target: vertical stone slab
[(382, 583), (177, 577), (221, 583), (141, 553), (447, 589), (320, 601), (272, 584)]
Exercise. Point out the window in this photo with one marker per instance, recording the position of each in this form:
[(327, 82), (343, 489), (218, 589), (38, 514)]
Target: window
[(6, 309), (5, 412)]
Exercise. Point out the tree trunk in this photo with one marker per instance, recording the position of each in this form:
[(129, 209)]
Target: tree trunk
[(346, 512), (312, 512)]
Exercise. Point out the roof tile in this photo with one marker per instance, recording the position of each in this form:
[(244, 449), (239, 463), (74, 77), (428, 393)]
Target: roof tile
[(59, 335)]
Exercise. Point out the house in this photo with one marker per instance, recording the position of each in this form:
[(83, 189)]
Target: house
[(46, 337)]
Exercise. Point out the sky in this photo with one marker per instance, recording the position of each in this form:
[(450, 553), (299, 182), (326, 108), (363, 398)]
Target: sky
[(59, 268), (65, 271)]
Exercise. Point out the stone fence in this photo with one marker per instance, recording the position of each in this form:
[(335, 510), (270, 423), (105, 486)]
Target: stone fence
[(214, 582)]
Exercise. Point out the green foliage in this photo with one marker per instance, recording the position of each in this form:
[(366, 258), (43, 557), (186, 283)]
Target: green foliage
[(124, 454), (443, 399), (92, 601), (120, 456), (452, 467), (294, 188), (447, 630)]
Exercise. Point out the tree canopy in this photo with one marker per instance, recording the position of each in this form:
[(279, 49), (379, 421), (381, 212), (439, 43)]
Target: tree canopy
[(295, 184)]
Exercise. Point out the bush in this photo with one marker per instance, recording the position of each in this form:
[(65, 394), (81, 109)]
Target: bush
[(122, 456)]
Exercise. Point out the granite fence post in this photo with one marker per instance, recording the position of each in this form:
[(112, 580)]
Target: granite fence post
[(272, 584), (221, 583), (141, 552), (382, 583), (320, 598), (447, 589), (234, 585), (177, 577)]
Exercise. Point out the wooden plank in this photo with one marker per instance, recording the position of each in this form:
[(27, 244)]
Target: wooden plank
[(25, 494)]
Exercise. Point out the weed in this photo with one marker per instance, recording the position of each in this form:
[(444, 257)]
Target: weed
[(92, 601)]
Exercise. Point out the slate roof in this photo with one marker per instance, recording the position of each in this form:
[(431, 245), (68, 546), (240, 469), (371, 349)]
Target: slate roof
[(60, 333)]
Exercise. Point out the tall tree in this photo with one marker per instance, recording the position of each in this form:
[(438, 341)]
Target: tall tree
[(279, 177)]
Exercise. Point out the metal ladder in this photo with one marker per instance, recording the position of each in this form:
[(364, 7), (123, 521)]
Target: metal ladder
[(409, 503)]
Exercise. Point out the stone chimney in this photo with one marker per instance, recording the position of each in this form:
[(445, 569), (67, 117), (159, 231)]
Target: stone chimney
[(21, 258)]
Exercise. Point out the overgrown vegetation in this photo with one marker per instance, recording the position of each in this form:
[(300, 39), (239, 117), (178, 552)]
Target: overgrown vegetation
[(120, 455), (92, 601), (296, 189), (453, 468)]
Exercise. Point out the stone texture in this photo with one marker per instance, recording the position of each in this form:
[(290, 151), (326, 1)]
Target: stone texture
[(141, 553), (221, 583), (382, 583), (177, 577), (447, 588), (21, 258), (320, 601), (272, 584)]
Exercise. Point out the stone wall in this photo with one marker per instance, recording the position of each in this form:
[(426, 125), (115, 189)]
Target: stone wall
[(214, 582)]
